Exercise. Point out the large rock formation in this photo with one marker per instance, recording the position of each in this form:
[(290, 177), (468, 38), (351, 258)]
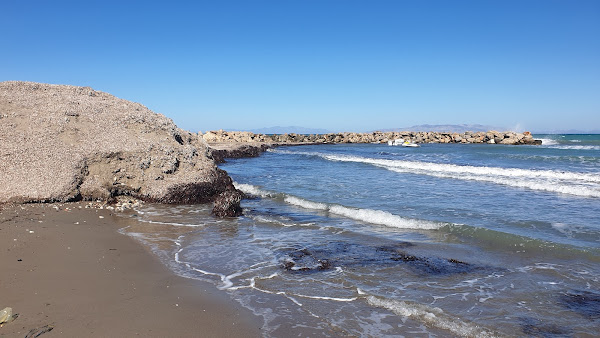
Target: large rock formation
[(63, 143)]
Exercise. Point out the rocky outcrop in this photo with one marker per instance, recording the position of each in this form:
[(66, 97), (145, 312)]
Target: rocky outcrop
[(490, 137), (221, 151), (64, 143)]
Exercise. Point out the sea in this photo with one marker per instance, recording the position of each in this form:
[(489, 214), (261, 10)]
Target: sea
[(371, 240)]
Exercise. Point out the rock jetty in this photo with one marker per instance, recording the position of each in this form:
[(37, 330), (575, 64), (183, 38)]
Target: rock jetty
[(64, 143), (491, 137)]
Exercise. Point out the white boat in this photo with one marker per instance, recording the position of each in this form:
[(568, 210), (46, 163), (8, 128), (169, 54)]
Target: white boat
[(395, 142), (410, 144)]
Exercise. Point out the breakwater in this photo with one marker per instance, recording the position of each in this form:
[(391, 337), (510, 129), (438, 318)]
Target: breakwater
[(490, 137)]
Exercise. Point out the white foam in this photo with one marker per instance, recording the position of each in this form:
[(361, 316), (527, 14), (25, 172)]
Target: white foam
[(265, 219), (548, 141), (251, 189), (170, 223), (573, 183), (305, 204), (431, 316), (383, 218), (328, 298), (379, 217), (576, 147)]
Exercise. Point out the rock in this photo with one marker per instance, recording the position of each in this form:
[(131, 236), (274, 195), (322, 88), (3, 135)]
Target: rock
[(63, 143), (326, 256), (6, 315), (227, 204), (509, 140), (221, 137), (220, 152)]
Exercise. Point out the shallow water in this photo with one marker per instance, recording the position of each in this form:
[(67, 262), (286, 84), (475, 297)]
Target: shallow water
[(372, 240)]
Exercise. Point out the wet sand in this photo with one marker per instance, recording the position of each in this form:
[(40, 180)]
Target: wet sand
[(67, 267)]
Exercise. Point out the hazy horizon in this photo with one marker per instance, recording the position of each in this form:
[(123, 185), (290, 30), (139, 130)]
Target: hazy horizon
[(334, 65), (434, 128)]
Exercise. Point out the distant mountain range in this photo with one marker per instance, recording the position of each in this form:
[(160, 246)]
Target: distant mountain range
[(289, 130), (567, 131), (451, 128), (448, 128)]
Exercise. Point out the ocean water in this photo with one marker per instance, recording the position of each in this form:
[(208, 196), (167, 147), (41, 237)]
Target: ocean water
[(369, 240)]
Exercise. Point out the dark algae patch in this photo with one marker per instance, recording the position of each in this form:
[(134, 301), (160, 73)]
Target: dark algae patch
[(533, 327), (586, 303), (333, 254)]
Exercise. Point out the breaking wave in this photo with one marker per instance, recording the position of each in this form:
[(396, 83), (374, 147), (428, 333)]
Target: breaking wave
[(431, 316), (378, 217), (575, 147), (548, 142), (564, 182)]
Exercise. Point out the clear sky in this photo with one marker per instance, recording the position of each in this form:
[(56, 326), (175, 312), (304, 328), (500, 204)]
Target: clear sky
[(341, 65)]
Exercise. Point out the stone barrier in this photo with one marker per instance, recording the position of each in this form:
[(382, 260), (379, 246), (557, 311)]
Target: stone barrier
[(490, 137)]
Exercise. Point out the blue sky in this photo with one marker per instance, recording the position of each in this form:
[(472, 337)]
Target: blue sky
[(333, 64)]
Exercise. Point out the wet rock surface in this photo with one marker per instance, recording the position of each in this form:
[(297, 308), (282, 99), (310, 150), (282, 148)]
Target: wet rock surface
[(220, 153), (347, 255), (227, 204)]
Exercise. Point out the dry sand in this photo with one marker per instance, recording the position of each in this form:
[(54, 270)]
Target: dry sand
[(66, 266)]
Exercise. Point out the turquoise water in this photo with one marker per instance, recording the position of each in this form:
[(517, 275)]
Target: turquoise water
[(376, 240)]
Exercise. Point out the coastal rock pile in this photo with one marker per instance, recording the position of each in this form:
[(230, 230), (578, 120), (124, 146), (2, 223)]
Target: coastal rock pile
[(64, 143), (492, 137)]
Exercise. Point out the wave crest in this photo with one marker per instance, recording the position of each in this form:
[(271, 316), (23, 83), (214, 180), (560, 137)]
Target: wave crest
[(572, 183), (431, 316), (378, 217)]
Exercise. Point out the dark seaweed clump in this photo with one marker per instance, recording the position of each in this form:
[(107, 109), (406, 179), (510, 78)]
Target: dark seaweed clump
[(586, 303), (329, 255), (536, 328)]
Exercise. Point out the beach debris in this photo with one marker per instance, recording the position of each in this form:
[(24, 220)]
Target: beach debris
[(33, 333), (6, 316)]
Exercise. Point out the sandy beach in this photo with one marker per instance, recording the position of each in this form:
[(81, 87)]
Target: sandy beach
[(66, 267)]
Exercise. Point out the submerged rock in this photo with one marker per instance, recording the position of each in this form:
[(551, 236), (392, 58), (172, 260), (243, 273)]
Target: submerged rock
[(537, 328), (63, 143), (322, 258), (304, 260), (586, 303)]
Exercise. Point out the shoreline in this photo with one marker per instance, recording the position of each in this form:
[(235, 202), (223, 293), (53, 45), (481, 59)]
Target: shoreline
[(67, 267)]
